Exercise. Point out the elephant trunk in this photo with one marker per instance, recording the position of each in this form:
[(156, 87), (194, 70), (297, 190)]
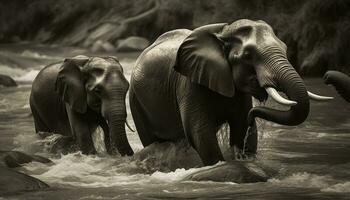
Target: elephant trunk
[(287, 80), (116, 116)]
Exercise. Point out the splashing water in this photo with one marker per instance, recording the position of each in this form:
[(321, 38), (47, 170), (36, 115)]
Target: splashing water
[(311, 159), (98, 139), (248, 133), (27, 77)]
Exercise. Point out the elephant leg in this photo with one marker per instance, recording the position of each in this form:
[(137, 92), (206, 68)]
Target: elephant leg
[(140, 120), (200, 129), (239, 125), (39, 123), (81, 131)]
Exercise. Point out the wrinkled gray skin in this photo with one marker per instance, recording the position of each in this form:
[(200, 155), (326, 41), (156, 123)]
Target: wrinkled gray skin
[(73, 98), (173, 97), (340, 81)]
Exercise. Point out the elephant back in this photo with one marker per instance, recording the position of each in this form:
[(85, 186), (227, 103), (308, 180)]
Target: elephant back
[(160, 57), (45, 80)]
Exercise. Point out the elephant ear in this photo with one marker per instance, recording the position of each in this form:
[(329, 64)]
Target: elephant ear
[(70, 83), (211, 28), (201, 57)]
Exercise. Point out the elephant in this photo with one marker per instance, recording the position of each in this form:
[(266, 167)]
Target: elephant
[(340, 81), (77, 95), (188, 83)]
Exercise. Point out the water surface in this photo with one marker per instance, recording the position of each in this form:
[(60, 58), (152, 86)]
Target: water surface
[(311, 160)]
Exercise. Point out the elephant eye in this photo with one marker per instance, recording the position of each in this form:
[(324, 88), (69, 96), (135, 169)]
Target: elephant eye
[(97, 90), (97, 71), (247, 55)]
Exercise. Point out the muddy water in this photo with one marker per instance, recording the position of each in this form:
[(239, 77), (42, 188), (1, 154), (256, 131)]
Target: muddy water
[(310, 161)]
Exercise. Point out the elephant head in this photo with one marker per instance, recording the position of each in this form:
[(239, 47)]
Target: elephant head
[(97, 84), (246, 56)]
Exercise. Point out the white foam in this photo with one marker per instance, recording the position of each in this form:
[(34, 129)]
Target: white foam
[(157, 164), (93, 171), (340, 187), (11, 71), (27, 77), (98, 139), (85, 171), (29, 143), (308, 180), (303, 179), (179, 174), (33, 54)]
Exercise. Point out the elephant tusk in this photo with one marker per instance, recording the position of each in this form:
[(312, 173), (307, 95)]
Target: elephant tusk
[(129, 127), (278, 98), (318, 97)]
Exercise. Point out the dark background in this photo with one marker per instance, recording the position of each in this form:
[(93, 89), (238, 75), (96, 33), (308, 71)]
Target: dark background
[(317, 32)]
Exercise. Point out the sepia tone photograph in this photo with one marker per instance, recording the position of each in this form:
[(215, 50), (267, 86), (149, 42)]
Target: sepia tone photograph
[(174, 99)]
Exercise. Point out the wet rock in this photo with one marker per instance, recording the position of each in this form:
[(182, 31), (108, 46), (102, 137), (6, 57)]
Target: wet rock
[(12, 181), (167, 157), (102, 46), (7, 81), (57, 143), (16, 159), (238, 172), (44, 134), (133, 43), (61, 144)]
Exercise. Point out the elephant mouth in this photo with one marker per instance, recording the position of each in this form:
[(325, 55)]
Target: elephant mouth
[(256, 91), (95, 104), (260, 94)]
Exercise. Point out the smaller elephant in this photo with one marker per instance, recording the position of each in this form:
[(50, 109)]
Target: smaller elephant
[(340, 81), (76, 96)]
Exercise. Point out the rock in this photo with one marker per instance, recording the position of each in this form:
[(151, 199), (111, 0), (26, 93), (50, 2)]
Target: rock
[(102, 46), (61, 144), (238, 172), (44, 134), (12, 181), (16, 159), (7, 81), (133, 43), (165, 157)]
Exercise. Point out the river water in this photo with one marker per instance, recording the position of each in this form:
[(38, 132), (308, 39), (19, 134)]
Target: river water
[(310, 161)]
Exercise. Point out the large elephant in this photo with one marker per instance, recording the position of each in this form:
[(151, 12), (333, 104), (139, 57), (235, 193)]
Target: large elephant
[(340, 81), (188, 83), (73, 98)]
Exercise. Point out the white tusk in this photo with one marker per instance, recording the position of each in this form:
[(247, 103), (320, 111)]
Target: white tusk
[(278, 98), (127, 124), (318, 97)]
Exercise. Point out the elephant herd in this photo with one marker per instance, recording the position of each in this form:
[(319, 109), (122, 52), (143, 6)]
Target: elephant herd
[(184, 86)]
